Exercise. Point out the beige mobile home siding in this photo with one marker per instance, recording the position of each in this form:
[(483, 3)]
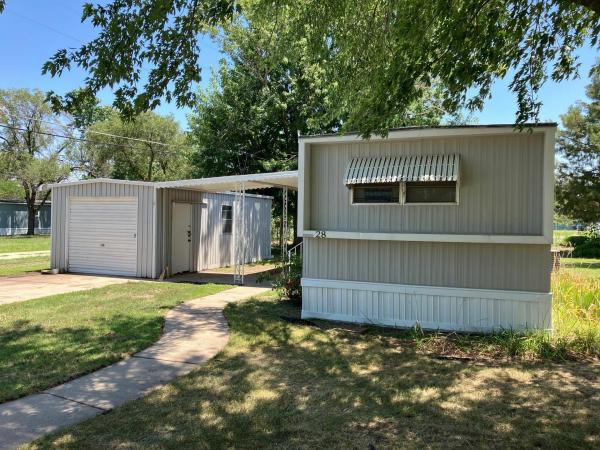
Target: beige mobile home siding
[(145, 196), (500, 187), (478, 266)]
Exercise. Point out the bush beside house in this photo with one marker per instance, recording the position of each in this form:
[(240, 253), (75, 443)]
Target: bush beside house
[(586, 245)]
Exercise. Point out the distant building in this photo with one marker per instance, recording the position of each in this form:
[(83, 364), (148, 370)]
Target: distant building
[(13, 218)]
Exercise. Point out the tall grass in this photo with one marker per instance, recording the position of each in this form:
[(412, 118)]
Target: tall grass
[(575, 323), (576, 311)]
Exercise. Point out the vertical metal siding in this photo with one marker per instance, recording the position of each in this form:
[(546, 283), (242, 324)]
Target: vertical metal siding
[(145, 225), (518, 267), (211, 248), (14, 216), (217, 247), (500, 187)]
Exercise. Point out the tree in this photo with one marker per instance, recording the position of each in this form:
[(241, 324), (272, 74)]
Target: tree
[(29, 153), (150, 148), (11, 190), (249, 119), (377, 55), (578, 185)]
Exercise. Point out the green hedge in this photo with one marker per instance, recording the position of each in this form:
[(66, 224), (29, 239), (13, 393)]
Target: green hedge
[(586, 245)]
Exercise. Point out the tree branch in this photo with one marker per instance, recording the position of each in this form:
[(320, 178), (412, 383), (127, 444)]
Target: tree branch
[(594, 5), (43, 202)]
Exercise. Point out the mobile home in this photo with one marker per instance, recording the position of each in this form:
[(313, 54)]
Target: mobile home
[(448, 227), (14, 215)]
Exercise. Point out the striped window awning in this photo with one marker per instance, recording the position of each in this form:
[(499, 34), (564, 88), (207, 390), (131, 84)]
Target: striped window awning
[(395, 169)]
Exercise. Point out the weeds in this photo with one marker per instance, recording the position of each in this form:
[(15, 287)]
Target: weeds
[(575, 335)]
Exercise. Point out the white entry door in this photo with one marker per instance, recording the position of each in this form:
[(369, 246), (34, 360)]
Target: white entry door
[(102, 235), (181, 238)]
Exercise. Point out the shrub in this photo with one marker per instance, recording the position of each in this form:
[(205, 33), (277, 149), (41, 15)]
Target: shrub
[(288, 281), (586, 245), (576, 239)]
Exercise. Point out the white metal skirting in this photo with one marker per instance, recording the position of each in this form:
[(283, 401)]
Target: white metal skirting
[(451, 309)]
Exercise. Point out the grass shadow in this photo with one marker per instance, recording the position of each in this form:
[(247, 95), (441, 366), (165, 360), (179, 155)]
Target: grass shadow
[(285, 385)]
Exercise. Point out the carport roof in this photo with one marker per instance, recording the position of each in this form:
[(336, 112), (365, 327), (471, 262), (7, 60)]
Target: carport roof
[(288, 179)]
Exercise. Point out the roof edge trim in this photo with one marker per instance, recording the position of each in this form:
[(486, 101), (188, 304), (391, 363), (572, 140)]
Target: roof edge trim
[(441, 130)]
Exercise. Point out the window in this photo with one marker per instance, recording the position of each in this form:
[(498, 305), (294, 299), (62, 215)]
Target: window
[(373, 194), (226, 219), (431, 192)]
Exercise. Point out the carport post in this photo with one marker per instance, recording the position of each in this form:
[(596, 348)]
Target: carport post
[(284, 224), (239, 231)]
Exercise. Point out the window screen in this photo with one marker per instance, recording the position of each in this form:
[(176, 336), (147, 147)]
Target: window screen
[(431, 192), (376, 194), (226, 219)]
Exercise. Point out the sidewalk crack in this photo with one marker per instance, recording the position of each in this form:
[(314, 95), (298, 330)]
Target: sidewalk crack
[(76, 401)]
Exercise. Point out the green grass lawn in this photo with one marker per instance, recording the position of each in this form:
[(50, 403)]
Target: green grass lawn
[(50, 340), (284, 384), (18, 266), (587, 267), (14, 244)]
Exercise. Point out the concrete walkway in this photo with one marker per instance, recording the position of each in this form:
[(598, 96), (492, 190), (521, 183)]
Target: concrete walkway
[(18, 255), (34, 285), (195, 331)]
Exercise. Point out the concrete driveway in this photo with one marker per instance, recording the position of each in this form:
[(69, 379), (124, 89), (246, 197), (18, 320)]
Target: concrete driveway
[(27, 287)]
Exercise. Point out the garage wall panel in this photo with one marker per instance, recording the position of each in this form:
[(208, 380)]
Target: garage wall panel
[(212, 248)]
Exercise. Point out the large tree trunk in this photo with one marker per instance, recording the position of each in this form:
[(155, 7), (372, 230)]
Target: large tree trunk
[(30, 218), (30, 201)]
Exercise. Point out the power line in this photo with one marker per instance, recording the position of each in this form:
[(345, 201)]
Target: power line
[(41, 24), (143, 70), (46, 133), (147, 141)]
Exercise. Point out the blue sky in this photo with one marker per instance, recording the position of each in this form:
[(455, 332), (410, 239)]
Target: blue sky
[(32, 30)]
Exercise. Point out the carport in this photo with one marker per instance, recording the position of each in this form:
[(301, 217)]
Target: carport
[(238, 185)]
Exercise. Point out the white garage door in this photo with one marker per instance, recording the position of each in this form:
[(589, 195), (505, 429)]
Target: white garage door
[(102, 235)]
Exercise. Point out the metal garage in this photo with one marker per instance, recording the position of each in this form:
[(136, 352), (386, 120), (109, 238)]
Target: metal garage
[(148, 230)]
